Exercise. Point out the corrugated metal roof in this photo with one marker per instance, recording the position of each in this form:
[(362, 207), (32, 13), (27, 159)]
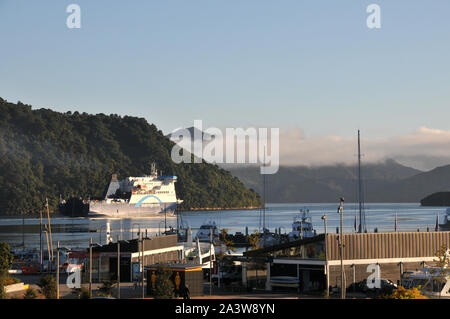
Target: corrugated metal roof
[(387, 245)]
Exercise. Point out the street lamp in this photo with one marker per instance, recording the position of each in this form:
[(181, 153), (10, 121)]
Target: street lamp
[(324, 218), (341, 246)]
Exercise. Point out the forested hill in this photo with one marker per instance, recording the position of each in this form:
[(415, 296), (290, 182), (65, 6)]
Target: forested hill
[(45, 153)]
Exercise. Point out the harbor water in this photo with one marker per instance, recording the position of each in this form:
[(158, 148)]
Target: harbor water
[(75, 232)]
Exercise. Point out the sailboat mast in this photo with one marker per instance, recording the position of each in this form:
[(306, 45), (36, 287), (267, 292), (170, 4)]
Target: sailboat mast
[(361, 213), (264, 199)]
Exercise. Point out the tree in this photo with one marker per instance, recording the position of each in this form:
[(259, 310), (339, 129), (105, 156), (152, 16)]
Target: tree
[(228, 244), (6, 259), (442, 272), (402, 293), (254, 239), (164, 288), (2, 289), (48, 286)]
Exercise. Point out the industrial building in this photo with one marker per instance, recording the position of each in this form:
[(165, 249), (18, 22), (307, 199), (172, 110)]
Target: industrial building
[(160, 249), (313, 264)]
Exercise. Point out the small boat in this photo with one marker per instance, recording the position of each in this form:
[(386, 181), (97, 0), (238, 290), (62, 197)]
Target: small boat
[(203, 233), (429, 281), (446, 224), (302, 226)]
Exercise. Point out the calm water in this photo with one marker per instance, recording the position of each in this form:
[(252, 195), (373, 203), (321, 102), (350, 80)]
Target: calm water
[(76, 232)]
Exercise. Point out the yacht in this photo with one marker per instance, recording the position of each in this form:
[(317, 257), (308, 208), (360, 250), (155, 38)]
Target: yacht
[(429, 281), (302, 226), (203, 233), (446, 224)]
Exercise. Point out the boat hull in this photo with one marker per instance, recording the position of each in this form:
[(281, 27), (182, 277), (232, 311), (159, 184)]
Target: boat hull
[(125, 210)]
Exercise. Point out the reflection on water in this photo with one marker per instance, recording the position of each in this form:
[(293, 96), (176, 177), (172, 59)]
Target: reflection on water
[(76, 232)]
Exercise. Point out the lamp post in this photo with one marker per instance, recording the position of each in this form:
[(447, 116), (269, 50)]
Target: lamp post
[(90, 267), (118, 266), (40, 238), (57, 270), (143, 264), (341, 247), (327, 270), (210, 260)]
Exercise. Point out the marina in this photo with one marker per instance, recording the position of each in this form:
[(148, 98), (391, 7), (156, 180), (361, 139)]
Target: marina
[(74, 233)]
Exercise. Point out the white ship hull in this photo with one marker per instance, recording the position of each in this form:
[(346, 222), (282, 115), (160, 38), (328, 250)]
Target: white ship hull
[(125, 210)]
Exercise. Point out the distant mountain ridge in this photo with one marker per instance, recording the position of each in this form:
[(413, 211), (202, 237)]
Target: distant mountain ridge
[(388, 181)]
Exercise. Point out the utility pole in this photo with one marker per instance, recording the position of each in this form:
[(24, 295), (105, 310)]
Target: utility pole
[(40, 238), (23, 231), (354, 277), (143, 267), (324, 218), (341, 247), (49, 228), (210, 261), (57, 270), (165, 219), (90, 267), (118, 266), (48, 251)]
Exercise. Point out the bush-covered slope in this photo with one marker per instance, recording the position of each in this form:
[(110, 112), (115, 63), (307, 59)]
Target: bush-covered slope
[(45, 153)]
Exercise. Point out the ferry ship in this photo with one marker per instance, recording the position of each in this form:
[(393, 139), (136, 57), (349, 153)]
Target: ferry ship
[(144, 196)]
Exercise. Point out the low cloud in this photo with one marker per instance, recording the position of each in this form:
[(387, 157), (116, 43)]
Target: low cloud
[(424, 148)]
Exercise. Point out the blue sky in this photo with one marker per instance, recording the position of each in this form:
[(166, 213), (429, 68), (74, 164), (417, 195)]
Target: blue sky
[(309, 65)]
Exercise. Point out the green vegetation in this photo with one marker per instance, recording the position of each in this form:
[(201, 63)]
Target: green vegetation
[(47, 154), (436, 199), (6, 259), (164, 288), (48, 286), (2, 289)]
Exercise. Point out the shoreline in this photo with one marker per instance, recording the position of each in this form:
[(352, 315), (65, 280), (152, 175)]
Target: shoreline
[(195, 209)]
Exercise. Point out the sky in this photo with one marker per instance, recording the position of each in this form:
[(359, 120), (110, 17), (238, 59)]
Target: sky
[(311, 68)]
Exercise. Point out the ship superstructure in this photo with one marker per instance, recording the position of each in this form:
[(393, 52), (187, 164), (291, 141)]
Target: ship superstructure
[(138, 196)]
